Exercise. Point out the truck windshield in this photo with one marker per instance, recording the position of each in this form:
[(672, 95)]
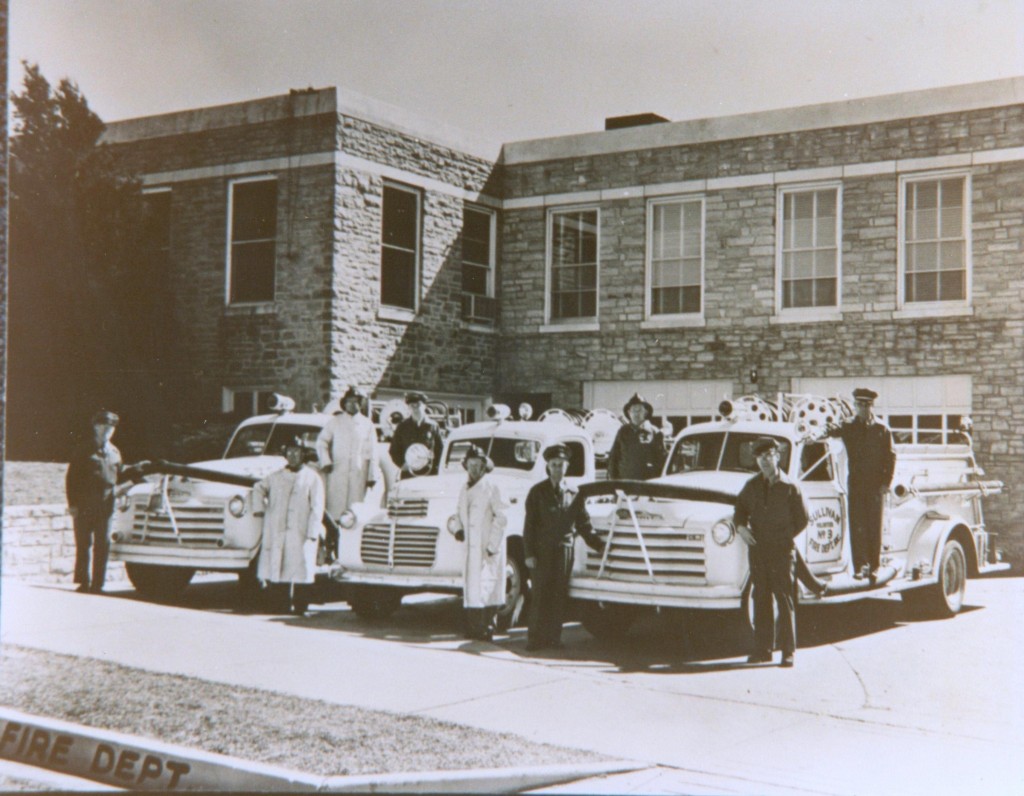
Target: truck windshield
[(721, 451), (517, 454), (268, 438)]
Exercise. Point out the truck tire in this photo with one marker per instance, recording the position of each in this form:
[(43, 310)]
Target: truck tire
[(515, 593), (607, 621), (945, 598), (160, 583), (374, 602)]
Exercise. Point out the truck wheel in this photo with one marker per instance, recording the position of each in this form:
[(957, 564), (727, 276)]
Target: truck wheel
[(515, 594), (607, 621), (159, 583), (374, 602), (945, 598)]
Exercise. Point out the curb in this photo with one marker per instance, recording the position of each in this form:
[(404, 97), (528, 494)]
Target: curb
[(136, 763)]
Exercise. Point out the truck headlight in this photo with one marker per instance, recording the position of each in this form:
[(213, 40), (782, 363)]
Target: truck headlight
[(723, 532), (454, 525), (347, 519), (237, 506), (124, 502)]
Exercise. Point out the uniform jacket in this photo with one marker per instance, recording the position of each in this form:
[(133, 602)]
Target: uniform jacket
[(91, 479), (293, 503), (481, 514), (409, 432), (552, 519), (775, 513), (347, 443), (870, 456), (633, 458)]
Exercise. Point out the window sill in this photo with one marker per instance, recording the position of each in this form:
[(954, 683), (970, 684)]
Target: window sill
[(933, 310), (808, 316), (399, 314), (486, 328), (253, 308), (575, 326), (674, 322)]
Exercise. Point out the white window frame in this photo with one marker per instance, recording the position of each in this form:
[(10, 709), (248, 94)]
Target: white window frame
[(925, 308), (230, 241), (395, 311), (588, 323), (805, 314), (682, 318), (230, 396), (492, 259)]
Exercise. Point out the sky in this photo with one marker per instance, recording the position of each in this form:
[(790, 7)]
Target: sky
[(508, 70)]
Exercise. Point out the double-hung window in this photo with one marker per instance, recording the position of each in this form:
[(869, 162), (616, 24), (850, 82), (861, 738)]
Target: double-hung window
[(573, 264), (400, 247), (808, 249), (478, 254), (252, 226), (675, 257), (935, 265)]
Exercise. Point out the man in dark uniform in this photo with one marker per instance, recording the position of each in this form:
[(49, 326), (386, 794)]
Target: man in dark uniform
[(871, 462), (416, 428), (553, 517), (770, 512), (91, 483), (638, 452)]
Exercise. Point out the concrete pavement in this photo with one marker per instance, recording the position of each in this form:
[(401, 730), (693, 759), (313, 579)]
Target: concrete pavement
[(868, 711)]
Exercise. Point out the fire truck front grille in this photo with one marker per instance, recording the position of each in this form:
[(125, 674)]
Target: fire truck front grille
[(675, 557), (197, 524), (414, 546), (407, 507)]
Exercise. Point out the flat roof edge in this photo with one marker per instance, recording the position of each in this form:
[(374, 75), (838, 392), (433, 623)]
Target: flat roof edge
[(887, 107)]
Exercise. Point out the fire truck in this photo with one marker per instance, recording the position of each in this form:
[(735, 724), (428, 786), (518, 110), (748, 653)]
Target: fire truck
[(671, 542)]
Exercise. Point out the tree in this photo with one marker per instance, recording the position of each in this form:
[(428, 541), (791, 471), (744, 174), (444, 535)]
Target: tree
[(76, 236)]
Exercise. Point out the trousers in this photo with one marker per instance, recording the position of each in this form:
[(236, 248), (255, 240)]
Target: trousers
[(771, 576), (866, 504), (549, 583), (91, 537)]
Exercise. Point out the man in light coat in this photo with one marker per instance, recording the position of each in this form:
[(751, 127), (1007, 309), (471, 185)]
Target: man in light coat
[(346, 450), (481, 525), (291, 502)]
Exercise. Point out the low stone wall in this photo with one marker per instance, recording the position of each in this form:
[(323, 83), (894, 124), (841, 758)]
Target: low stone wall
[(39, 545)]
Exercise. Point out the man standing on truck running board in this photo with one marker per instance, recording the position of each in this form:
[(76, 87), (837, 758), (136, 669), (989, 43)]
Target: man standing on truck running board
[(871, 462), (638, 452), (770, 512)]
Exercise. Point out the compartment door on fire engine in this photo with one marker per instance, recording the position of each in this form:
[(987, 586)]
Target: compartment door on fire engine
[(823, 538)]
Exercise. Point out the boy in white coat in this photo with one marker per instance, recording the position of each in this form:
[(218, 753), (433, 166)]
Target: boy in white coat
[(482, 521)]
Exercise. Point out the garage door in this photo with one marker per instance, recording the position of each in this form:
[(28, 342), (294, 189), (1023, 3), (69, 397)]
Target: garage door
[(924, 409), (682, 402)]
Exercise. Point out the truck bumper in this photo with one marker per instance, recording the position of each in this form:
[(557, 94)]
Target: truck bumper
[(401, 581), (712, 597), (221, 559)]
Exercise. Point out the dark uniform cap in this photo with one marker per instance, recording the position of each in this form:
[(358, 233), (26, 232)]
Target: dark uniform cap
[(864, 394), (765, 444), (352, 392), (637, 400), (106, 417), (410, 397), (476, 452), (557, 451), (296, 442)]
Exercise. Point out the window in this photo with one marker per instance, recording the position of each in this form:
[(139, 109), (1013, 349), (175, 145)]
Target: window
[(809, 248), (253, 225), (400, 247), (934, 254), (478, 303), (926, 429), (573, 263), (156, 229), (246, 402), (676, 257)]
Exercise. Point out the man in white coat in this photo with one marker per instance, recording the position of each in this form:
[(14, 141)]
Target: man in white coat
[(346, 450), (291, 502), (481, 525)]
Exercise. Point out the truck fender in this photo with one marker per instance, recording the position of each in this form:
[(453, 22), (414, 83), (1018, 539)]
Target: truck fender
[(929, 537)]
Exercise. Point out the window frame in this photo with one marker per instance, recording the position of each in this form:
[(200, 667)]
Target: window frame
[(417, 253), (492, 269), (829, 312), (680, 317), (229, 254), (932, 307), (582, 321), (231, 395)]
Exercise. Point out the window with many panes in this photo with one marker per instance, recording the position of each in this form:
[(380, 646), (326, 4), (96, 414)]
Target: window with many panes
[(676, 256), (926, 429), (246, 402), (808, 248), (253, 231), (572, 281), (478, 252), (935, 252), (400, 247)]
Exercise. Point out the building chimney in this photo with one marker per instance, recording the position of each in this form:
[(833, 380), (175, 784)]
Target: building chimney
[(633, 120)]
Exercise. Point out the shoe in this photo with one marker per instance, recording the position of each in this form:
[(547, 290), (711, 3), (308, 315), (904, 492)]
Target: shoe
[(96, 590), (83, 589), (863, 572), (787, 661), (759, 658)]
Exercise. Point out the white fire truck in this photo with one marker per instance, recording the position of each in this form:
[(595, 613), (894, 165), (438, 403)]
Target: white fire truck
[(671, 542), (407, 547)]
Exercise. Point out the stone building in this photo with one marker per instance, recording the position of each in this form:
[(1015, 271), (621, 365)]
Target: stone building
[(321, 239)]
